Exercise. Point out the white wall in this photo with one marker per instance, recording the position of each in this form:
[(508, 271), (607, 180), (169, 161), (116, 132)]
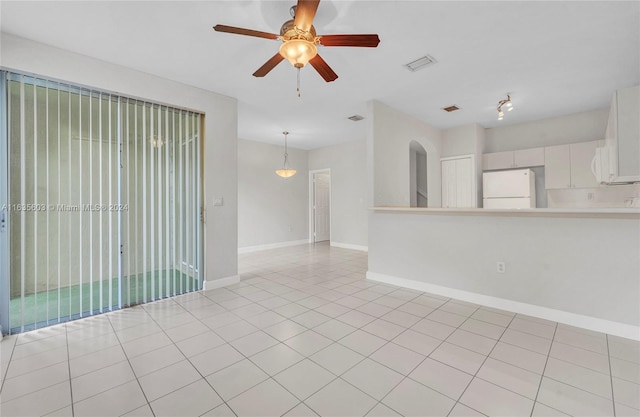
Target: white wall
[(348, 190), (583, 266), (220, 180), (389, 135), (460, 140), (578, 127), (271, 209)]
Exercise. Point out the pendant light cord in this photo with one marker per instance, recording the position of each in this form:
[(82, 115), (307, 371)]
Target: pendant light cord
[(286, 154), (297, 87), (286, 172)]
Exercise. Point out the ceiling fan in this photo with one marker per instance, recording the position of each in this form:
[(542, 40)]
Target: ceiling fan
[(299, 41)]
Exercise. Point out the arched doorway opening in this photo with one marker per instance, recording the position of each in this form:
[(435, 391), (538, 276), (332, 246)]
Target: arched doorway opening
[(418, 175)]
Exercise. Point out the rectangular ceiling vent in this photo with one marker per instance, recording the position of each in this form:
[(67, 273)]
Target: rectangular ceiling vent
[(420, 63), (451, 108), (355, 118)]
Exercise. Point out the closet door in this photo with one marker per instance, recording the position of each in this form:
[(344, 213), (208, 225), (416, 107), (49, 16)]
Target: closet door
[(458, 182)]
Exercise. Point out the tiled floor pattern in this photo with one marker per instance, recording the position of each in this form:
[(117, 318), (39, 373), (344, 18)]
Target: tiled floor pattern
[(305, 334)]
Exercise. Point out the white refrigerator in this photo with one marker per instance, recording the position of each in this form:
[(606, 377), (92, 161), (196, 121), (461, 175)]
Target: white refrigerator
[(513, 189)]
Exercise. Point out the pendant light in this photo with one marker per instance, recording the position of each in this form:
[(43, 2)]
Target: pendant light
[(286, 172)]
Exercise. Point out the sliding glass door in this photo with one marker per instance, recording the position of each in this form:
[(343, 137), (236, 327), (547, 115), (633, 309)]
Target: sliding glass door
[(102, 202)]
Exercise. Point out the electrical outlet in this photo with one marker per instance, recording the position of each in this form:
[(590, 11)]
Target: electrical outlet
[(218, 201), (501, 267)]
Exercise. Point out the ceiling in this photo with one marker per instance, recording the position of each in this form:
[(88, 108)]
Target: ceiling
[(555, 58)]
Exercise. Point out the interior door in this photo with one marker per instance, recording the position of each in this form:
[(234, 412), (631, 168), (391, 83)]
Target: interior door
[(449, 198), (322, 206), (458, 188)]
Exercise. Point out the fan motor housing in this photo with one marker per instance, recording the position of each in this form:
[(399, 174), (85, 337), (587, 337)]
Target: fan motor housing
[(289, 31)]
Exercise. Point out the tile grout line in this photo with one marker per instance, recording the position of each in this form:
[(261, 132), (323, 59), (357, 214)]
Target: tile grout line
[(481, 365), (4, 376), (570, 385), (425, 356), (307, 357), (543, 370), (613, 397), (66, 335), (333, 342), (478, 308), (163, 330), (385, 344), (510, 344), (406, 301), (48, 366), (195, 368), (129, 362)]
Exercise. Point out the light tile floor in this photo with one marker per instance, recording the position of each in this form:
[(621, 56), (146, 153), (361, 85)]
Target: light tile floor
[(305, 334)]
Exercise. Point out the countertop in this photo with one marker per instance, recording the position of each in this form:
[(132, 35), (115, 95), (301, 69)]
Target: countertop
[(625, 213)]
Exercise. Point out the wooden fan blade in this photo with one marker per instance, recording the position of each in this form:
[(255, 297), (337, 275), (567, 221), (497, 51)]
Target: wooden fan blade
[(366, 41), (323, 69), (305, 12), (268, 66), (247, 32)]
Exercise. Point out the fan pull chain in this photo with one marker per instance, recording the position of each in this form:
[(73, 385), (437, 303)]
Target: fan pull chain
[(298, 83)]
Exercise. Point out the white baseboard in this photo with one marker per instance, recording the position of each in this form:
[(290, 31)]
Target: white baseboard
[(578, 320), (349, 246), (249, 249), (218, 283)]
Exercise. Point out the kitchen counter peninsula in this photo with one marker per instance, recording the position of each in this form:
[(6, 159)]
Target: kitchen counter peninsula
[(603, 212), (575, 266)]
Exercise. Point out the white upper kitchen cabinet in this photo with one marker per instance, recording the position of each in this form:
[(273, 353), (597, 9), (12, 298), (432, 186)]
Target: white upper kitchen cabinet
[(524, 158), (459, 182), (557, 167), (582, 155), (569, 166), (497, 160)]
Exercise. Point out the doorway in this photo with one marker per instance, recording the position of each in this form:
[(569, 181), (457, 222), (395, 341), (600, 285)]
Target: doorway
[(320, 205), (418, 175)]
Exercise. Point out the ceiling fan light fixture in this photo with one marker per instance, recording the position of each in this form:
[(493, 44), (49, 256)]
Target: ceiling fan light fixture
[(298, 51), (299, 42)]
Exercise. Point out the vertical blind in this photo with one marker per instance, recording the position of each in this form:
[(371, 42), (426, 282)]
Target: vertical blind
[(103, 202)]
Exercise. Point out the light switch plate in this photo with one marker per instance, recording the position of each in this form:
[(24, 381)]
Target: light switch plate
[(218, 201)]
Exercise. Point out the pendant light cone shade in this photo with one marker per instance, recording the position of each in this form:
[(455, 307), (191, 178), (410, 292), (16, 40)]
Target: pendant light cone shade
[(286, 172), (298, 52)]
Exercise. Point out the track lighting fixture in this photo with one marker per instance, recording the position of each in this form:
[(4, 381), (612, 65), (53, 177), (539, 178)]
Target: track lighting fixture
[(506, 103)]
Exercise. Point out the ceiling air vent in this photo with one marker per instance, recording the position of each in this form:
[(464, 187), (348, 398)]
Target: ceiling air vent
[(451, 108), (420, 63), (355, 118)]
